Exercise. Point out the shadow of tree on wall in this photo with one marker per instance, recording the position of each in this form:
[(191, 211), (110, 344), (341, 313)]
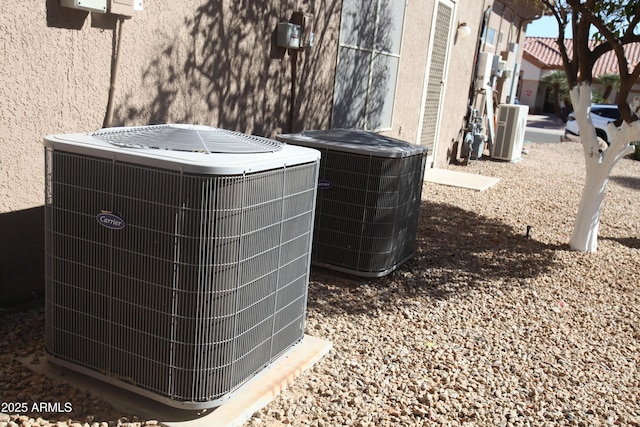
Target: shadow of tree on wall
[(224, 69), (316, 68), (170, 102), (363, 76), (233, 61), (456, 251)]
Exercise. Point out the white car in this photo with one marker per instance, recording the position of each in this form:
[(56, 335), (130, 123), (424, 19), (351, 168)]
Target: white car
[(601, 116)]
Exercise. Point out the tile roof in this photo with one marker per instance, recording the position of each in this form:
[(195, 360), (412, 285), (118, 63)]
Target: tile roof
[(545, 53)]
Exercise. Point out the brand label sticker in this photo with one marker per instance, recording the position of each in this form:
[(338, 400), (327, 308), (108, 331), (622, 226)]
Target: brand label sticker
[(324, 184), (109, 220)]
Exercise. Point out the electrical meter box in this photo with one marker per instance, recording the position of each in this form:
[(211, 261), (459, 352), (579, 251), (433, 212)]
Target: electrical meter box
[(99, 6), (288, 35), (124, 7), (485, 65), (305, 20)]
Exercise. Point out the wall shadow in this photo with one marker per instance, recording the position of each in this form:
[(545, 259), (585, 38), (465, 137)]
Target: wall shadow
[(632, 182), (223, 69), (64, 17), (22, 255), (456, 251), (630, 242), (316, 69), (363, 77)]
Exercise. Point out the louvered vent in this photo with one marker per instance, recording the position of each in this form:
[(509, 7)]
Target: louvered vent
[(436, 76)]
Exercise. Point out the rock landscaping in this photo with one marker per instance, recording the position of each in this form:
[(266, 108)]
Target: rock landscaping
[(494, 321)]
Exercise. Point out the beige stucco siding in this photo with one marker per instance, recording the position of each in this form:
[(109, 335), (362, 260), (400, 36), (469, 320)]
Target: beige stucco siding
[(412, 73), (192, 61), (186, 61), (456, 95)]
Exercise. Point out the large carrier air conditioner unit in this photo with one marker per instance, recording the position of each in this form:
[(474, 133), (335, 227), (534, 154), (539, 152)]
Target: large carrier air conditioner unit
[(512, 121), (177, 257), (369, 196)]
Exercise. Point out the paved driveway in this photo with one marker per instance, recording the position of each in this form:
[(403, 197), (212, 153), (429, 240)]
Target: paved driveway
[(543, 128)]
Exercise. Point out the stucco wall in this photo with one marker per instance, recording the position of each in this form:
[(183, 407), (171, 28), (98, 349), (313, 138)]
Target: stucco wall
[(415, 44), (458, 82), (412, 72), (192, 61)]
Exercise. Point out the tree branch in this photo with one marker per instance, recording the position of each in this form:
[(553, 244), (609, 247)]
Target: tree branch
[(632, 25), (587, 58), (569, 64)]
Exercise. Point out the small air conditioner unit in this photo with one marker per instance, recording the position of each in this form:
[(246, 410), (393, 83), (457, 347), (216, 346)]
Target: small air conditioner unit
[(177, 257), (511, 124), (369, 197)]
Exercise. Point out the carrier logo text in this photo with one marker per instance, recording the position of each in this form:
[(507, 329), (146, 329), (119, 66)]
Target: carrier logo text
[(324, 184), (109, 220)]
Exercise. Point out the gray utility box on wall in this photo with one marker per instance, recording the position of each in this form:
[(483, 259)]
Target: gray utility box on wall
[(369, 195), (177, 257)]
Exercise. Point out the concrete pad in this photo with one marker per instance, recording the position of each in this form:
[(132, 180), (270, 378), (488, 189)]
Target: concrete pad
[(460, 179), (251, 397)]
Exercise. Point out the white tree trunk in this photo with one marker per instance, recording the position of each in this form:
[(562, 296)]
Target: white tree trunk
[(598, 165)]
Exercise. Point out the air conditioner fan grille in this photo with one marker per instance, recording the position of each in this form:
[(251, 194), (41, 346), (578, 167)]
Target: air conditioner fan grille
[(187, 138)]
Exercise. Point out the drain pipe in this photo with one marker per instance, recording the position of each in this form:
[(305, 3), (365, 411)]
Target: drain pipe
[(294, 78), (114, 72)]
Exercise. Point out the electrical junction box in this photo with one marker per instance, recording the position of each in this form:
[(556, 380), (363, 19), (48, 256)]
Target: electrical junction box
[(499, 66), (485, 64), (124, 7), (288, 35), (99, 6)]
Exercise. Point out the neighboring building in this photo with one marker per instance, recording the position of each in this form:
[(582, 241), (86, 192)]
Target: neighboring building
[(407, 73), (541, 56)]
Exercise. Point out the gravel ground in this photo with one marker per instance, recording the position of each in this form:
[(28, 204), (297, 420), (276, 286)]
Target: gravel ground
[(484, 326)]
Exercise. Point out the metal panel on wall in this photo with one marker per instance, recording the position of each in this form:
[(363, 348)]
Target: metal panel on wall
[(436, 73)]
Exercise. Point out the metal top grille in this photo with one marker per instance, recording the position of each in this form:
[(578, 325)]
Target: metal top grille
[(353, 141), (187, 138), (356, 136)]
